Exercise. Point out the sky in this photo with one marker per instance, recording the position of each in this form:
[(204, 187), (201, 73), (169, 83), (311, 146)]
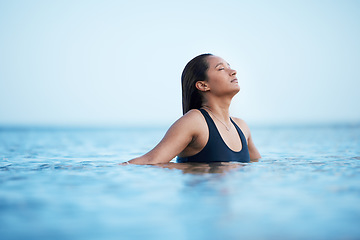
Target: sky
[(119, 62)]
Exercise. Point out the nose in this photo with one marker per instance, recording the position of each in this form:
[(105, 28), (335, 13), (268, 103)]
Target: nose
[(233, 72)]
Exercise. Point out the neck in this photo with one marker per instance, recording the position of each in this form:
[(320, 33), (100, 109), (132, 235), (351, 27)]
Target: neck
[(220, 108)]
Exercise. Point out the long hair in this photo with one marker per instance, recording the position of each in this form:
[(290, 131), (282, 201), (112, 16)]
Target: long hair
[(194, 71)]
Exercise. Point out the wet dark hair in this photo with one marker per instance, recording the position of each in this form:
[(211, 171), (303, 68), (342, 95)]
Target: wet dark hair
[(194, 71)]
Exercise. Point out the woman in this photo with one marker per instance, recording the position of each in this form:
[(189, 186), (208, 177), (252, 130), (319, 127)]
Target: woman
[(205, 133)]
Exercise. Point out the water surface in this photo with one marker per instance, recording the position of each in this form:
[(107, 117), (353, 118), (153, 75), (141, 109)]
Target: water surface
[(67, 184)]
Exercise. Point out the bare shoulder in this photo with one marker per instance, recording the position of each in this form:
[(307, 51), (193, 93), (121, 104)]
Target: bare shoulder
[(192, 120), (192, 115), (243, 126), (239, 121)]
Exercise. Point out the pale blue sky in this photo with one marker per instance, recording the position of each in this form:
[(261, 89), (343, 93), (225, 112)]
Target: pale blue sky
[(119, 62)]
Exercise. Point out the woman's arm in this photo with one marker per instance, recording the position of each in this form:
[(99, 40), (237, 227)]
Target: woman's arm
[(254, 153), (176, 139)]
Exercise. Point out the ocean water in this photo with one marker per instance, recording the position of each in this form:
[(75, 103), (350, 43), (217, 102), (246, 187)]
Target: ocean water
[(67, 184)]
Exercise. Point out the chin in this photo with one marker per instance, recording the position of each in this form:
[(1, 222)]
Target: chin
[(235, 91)]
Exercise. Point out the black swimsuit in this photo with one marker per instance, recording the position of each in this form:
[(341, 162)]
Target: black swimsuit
[(216, 149)]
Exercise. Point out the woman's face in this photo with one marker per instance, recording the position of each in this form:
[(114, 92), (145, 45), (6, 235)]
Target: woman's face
[(221, 78)]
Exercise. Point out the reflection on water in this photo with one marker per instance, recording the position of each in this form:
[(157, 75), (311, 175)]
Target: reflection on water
[(204, 168), (68, 184)]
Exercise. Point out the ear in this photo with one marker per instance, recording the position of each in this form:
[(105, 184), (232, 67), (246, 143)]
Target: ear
[(202, 86)]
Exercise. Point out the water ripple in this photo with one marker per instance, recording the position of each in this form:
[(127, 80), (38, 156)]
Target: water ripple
[(69, 182)]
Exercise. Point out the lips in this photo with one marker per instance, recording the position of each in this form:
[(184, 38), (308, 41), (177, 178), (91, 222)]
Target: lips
[(234, 80)]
